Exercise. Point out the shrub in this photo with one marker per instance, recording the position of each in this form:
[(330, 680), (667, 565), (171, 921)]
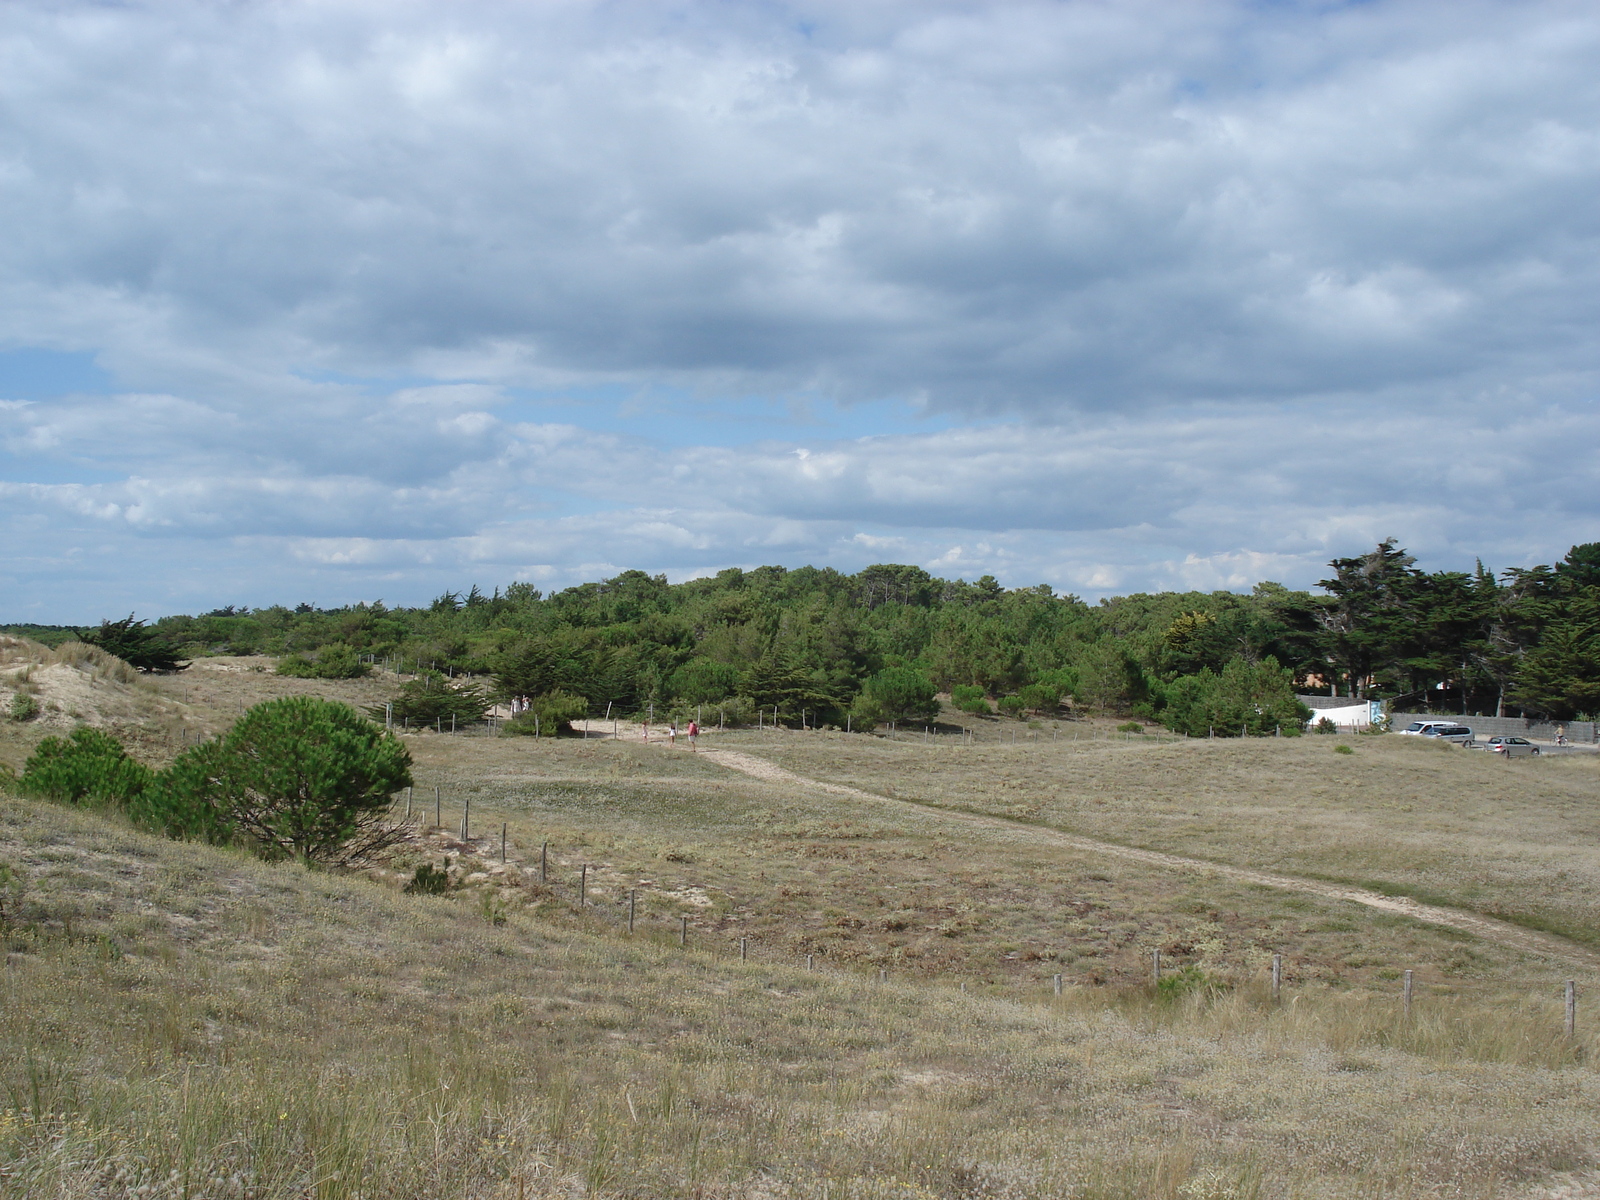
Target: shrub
[(305, 777), (1130, 727), (140, 647), (703, 681), (191, 800), (1189, 979), (550, 715), (1324, 725), (429, 882), (1342, 749), (297, 666), (902, 693), (1254, 698), (432, 699), (970, 698), (1041, 697), (1012, 706), (23, 707), (864, 714), (334, 661), (87, 767)]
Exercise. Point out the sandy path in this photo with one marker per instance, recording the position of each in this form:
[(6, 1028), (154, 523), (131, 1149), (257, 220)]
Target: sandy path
[(1488, 928)]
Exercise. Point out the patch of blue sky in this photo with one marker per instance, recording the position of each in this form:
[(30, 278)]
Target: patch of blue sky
[(29, 373), (670, 416), (678, 417), (18, 468)]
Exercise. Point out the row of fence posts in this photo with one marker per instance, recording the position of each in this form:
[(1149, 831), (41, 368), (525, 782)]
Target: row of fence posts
[(1569, 997)]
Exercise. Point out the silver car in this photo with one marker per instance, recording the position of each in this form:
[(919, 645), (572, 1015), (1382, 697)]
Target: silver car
[(1460, 735), (1419, 728), (1511, 747)]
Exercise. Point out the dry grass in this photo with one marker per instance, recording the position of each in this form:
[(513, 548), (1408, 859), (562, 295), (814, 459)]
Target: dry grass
[(180, 1021), (918, 893), (184, 1022), (1517, 839)]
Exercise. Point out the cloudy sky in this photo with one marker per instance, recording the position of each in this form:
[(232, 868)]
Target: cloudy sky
[(330, 301)]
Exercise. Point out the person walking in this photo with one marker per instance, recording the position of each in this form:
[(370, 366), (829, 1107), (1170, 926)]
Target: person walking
[(694, 732), (672, 734)]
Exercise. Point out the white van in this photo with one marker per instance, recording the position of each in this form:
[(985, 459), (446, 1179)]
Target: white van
[(1418, 728)]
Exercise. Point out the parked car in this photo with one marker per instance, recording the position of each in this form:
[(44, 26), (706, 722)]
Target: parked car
[(1511, 747), (1458, 735), (1418, 728)]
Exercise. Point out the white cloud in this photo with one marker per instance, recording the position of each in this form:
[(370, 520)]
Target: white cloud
[(1250, 285)]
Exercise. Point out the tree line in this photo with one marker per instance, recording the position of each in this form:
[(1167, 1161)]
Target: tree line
[(818, 645)]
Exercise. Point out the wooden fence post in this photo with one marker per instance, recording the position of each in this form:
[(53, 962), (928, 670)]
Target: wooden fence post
[(744, 949), (1407, 987), (1572, 1008), (503, 828), (544, 863), (583, 883), (1058, 984), (1277, 976), (438, 809), (811, 962), (1155, 967), (633, 903), (683, 932)]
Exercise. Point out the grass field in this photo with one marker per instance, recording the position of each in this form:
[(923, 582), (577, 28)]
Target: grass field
[(185, 1022), (1518, 839)]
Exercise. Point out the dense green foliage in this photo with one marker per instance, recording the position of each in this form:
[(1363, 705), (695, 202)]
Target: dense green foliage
[(432, 699), (87, 767), (549, 715), (297, 776), (899, 694), (812, 642), (135, 644), (190, 800), (310, 778), (334, 661)]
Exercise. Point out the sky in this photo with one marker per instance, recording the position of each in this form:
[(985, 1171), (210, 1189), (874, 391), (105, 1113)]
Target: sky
[(343, 301)]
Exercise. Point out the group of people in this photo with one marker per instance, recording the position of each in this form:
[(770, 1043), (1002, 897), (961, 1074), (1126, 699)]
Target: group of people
[(693, 732)]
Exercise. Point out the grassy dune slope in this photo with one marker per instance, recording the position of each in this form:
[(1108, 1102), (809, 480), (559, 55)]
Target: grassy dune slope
[(180, 1021), (1517, 839)]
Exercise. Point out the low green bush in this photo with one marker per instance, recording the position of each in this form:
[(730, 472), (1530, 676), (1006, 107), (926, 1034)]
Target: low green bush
[(550, 715), (23, 707), (970, 698), (1041, 697), (1176, 984), (87, 767), (333, 661), (428, 881), (431, 699), (191, 799), (1130, 727)]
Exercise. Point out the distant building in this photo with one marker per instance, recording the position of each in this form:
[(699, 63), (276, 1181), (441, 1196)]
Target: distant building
[(1344, 712)]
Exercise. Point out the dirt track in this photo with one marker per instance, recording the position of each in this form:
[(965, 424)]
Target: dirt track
[(1502, 932)]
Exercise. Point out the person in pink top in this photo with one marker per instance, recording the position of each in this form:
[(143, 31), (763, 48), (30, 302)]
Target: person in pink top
[(694, 732)]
